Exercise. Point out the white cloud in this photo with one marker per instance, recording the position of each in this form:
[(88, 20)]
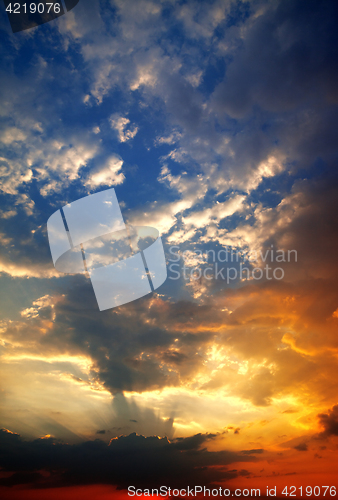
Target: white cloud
[(175, 136), (207, 220), (41, 303), (120, 124), (55, 161), (200, 20), (162, 216), (108, 174), (62, 162), (214, 214), (7, 214), (27, 269), (195, 78), (12, 134), (13, 173)]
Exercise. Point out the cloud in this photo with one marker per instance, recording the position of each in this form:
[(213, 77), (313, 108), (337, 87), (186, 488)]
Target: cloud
[(150, 461), (253, 452), (330, 422), (56, 161), (171, 139), (108, 174), (12, 134), (256, 360), (40, 307), (214, 214), (239, 99), (62, 163), (200, 21), (120, 124), (301, 447), (13, 176), (25, 252), (280, 64), (295, 224)]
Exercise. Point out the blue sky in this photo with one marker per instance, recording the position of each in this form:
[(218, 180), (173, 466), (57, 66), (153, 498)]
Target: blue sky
[(215, 122)]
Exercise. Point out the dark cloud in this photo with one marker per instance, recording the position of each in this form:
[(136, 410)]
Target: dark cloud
[(193, 442), (137, 348), (253, 452), (281, 88), (313, 229), (128, 354), (329, 421), (288, 56), (148, 461), (301, 447)]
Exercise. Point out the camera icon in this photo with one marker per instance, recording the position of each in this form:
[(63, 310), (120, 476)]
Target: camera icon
[(123, 262)]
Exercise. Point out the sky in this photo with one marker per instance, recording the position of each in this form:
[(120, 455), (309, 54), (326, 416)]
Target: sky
[(216, 123)]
